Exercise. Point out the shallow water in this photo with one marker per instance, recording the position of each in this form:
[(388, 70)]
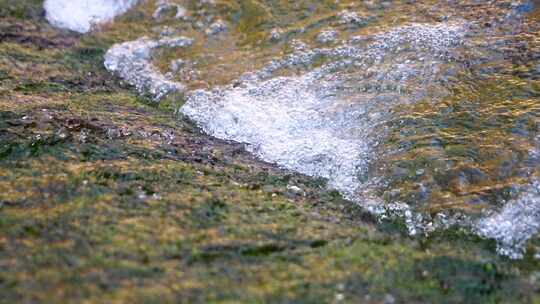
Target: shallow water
[(425, 111), (325, 122)]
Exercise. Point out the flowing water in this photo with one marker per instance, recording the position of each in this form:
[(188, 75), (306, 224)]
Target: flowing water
[(423, 110)]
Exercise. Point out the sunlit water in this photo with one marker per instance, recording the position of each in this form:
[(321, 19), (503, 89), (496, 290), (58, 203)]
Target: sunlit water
[(435, 122), (326, 122)]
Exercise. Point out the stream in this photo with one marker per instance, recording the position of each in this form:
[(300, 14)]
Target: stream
[(424, 111)]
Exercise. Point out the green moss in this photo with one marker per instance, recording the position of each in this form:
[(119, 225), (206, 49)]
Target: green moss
[(119, 200), (20, 9)]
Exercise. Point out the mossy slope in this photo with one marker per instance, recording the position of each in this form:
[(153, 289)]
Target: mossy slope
[(107, 198)]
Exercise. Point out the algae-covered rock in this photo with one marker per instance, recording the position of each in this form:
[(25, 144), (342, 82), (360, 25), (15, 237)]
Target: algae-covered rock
[(168, 169)]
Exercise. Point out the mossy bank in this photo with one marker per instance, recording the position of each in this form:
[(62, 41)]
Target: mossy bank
[(106, 197)]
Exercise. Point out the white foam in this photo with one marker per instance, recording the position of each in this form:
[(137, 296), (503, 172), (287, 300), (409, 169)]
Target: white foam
[(515, 224), (325, 122), (287, 122), (132, 61), (81, 15)]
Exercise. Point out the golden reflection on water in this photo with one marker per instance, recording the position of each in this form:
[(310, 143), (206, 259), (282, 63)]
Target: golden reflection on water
[(466, 151), (463, 153)]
